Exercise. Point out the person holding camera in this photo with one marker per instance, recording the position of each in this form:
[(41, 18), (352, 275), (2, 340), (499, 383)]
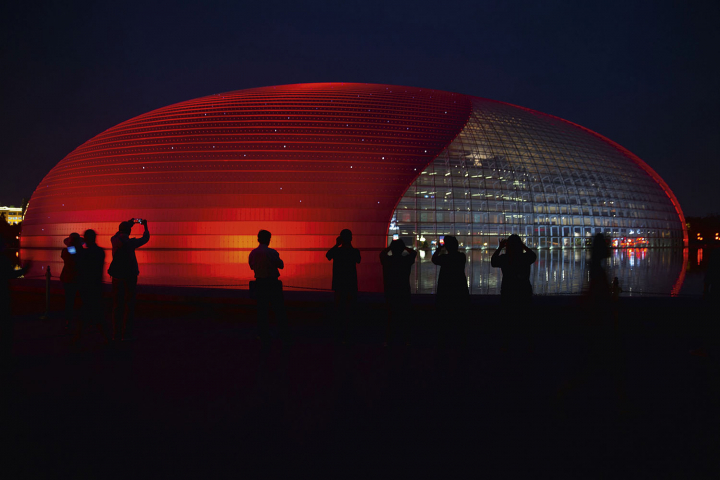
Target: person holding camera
[(515, 290), (453, 295), (345, 258), (515, 263), (397, 260), (124, 272), (266, 263)]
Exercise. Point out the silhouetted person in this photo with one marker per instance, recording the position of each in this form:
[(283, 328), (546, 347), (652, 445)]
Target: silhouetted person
[(453, 296), (7, 326), (266, 263), (515, 289), (124, 272), (515, 263), (599, 286), (90, 262), (605, 355), (396, 280), (69, 274), (345, 258)]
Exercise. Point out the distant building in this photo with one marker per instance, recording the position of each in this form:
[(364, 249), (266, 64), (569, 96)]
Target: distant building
[(12, 215)]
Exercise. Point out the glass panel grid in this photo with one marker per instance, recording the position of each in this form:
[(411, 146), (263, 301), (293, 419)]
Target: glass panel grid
[(514, 171)]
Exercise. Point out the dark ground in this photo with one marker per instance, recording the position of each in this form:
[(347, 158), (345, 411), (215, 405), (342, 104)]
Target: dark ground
[(195, 395)]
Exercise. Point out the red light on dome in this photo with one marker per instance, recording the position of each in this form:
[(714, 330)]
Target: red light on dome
[(303, 161)]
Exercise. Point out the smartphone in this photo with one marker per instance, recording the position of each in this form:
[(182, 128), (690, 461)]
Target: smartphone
[(138, 220), (442, 240), (396, 236), (71, 250)]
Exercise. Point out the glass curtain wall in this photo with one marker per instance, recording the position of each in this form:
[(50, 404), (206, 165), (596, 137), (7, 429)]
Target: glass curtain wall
[(513, 171)]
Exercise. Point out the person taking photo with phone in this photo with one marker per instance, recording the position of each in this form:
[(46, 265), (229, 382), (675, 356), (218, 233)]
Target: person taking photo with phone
[(397, 260), (453, 295), (515, 290), (124, 272)]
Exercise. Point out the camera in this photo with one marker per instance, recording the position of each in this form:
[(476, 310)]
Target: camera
[(396, 236), (442, 240), (138, 220)]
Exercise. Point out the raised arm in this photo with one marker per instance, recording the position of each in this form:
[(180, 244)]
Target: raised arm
[(495, 260), (532, 256), (436, 257), (331, 253), (139, 242)]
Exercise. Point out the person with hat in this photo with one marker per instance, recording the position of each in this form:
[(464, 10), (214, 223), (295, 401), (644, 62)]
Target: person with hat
[(69, 274), (124, 272)]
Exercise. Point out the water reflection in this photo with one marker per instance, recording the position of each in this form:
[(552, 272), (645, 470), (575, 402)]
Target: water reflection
[(641, 271)]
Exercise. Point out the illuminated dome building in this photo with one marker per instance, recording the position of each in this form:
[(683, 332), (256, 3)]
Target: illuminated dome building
[(305, 161)]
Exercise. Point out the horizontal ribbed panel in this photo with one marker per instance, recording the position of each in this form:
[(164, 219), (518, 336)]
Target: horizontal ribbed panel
[(303, 161)]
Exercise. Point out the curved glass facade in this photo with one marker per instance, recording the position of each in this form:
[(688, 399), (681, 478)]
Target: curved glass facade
[(517, 171)]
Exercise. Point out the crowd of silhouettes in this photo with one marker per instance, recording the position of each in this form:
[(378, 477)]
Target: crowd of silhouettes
[(83, 263), (82, 275)]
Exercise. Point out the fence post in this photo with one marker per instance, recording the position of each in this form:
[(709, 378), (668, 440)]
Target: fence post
[(48, 274)]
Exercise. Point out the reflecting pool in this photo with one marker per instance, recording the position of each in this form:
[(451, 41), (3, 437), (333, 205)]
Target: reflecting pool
[(640, 271)]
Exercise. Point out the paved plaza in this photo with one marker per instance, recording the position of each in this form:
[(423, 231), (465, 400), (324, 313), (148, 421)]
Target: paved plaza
[(196, 395)]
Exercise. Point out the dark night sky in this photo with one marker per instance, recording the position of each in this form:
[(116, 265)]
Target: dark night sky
[(644, 74)]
